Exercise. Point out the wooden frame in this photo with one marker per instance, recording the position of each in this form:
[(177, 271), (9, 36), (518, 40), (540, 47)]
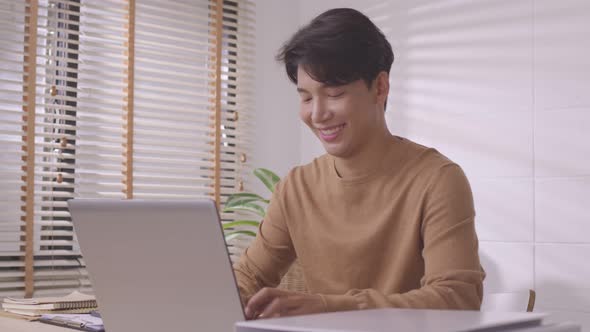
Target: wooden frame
[(217, 148), (531, 303), (129, 99), (29, 87)]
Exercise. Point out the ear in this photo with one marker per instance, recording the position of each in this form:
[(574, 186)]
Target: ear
[(382, 85)]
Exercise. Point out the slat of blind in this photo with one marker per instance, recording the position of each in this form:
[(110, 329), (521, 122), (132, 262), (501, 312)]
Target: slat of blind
[(58, 284), (177, 178), (168, 142), (183, 95), (73, 275), (170, 82), (57, 261), (190, 11), (189, 113), (175, 110), (150, 150), (165, 126), (151, 48), (197, 36), (173, 73), (164, 188), (179, 107), (195, 159), (154, 90), (158, 170), (145, 133), (168, 195), (59, 292)]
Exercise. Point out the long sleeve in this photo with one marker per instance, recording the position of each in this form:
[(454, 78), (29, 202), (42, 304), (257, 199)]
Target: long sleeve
[(453, 277), (269, 256)]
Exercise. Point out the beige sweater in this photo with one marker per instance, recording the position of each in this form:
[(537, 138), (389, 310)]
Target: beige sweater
[(401, 235)]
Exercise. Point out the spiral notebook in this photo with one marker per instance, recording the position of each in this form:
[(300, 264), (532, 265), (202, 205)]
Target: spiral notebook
[(74, 302)]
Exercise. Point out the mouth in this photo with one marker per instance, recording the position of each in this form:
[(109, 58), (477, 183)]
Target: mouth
[(330, 133)]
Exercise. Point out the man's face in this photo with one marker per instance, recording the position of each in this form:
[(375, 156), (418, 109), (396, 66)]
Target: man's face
[(344, 117)]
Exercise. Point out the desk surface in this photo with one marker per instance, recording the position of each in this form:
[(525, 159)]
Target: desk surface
[(20, 325), (407, 320)]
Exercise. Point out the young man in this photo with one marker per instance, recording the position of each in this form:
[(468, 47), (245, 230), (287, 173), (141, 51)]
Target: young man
[(378, 221)]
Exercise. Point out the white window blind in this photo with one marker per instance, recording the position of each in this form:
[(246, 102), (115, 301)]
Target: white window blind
[(12, 20), (131, 99)]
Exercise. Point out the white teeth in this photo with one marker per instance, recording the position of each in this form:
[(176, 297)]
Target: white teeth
[(331, 130)]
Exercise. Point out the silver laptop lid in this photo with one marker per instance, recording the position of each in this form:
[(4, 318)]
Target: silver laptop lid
[(157, 265)]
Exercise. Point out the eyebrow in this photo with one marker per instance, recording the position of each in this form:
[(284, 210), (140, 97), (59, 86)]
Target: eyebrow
[(324, 86)]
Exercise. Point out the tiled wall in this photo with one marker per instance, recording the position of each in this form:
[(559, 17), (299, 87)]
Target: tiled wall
[(503, 88)]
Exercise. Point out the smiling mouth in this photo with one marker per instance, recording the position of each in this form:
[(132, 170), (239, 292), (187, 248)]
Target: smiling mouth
[(330, 133)]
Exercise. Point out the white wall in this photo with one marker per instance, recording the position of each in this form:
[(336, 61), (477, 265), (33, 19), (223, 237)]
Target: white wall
[(277, 130), (503, 88)]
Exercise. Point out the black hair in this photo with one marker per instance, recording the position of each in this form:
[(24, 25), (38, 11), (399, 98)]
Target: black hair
[(338, 47)]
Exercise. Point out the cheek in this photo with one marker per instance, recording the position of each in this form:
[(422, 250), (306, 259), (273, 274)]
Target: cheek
[(305, 114)]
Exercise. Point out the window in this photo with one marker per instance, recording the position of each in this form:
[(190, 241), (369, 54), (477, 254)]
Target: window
[(114, 99)]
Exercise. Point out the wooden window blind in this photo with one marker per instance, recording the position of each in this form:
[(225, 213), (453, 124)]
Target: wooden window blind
[(115, 99)]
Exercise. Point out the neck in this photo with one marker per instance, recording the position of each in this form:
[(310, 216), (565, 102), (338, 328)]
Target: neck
[(367, 159)]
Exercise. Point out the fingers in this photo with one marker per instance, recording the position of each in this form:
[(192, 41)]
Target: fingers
[(284, 305), (272, 302), (274, 309), (258, 303)]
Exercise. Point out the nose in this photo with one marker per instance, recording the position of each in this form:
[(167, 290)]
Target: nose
[(319, 112)]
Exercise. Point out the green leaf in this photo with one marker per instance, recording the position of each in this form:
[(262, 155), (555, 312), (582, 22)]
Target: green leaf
[(242, 198), (248, 207), (235, 234), (238, 223), (267, 177)]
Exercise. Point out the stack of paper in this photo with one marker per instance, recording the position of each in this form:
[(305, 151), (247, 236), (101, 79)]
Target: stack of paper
[(75, 302)]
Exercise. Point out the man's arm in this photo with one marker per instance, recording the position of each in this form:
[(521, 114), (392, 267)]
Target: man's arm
[(269, 256)]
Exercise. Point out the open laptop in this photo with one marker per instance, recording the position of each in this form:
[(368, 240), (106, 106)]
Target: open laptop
[(158, 265)]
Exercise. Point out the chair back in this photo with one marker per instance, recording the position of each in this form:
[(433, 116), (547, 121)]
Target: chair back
[(514, 301)]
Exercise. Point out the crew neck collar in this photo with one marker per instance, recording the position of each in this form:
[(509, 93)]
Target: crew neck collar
[(392, 153)]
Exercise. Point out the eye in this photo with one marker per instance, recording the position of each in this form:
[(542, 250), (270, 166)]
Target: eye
[(336, 94), (306, 100)]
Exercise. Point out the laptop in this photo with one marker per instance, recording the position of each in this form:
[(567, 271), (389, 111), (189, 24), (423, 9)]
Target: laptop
[(158, 265)]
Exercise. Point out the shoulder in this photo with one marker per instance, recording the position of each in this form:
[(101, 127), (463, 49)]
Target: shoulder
[(429, 157), (312, 172), (424, 160), (440, 182), (431, 167), (300, 177)]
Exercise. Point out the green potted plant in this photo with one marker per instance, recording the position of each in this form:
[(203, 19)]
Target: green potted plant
[(250, 203)]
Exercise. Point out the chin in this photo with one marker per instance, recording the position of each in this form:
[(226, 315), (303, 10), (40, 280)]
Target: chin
[(335, 151)]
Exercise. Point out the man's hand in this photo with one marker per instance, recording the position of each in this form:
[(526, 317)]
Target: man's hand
[(274, 302)]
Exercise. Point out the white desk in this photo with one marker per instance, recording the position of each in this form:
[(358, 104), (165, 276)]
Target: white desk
[(8, 324), (408, 320)]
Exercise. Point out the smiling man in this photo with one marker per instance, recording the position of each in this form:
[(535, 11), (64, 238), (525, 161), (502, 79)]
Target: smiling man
[(378, 221)]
